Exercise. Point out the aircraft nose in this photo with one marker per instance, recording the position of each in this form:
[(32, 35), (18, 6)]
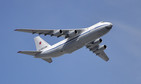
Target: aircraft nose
[(109, 26)]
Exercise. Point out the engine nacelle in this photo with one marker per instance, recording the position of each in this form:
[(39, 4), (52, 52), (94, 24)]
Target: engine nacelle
[(57, 33), (100, 48), (71, 33), (94, 43)]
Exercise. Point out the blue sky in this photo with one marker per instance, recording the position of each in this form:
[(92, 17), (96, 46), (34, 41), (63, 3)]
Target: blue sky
[(82, 66)]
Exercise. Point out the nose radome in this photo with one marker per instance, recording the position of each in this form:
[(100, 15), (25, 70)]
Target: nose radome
[(109, 26)]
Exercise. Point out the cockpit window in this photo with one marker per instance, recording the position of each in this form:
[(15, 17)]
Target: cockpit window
[(102, 22)]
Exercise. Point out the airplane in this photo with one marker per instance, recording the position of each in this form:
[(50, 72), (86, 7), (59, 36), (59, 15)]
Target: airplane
[(74, 40)]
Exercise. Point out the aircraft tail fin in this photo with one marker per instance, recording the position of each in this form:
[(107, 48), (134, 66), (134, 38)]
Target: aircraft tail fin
[(40, 43)]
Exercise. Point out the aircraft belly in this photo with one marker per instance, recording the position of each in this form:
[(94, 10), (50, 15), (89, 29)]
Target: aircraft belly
[(57, 52), (92, 36), (80, 42), (74, 48), (75, 44)]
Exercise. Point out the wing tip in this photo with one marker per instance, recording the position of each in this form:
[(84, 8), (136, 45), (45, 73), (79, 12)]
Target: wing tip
[(107, 60), (19, 51), (15, 29), (50, 62), (21, 29)]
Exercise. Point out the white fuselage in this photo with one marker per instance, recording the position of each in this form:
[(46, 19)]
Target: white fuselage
[(71, 44)]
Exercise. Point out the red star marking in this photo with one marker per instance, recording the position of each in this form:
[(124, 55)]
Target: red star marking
[(40, 43)]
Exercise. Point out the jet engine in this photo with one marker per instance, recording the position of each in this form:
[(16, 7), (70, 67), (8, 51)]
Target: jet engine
[(71, 33), (100, 48), (57, 33), (94, 43)]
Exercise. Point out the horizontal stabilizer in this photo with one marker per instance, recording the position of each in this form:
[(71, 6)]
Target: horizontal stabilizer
[(30, 52), (49, 60)]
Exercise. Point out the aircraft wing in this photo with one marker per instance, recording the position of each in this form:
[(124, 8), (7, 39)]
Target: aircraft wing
[(53, 32), (49, 60), (101, 53)]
